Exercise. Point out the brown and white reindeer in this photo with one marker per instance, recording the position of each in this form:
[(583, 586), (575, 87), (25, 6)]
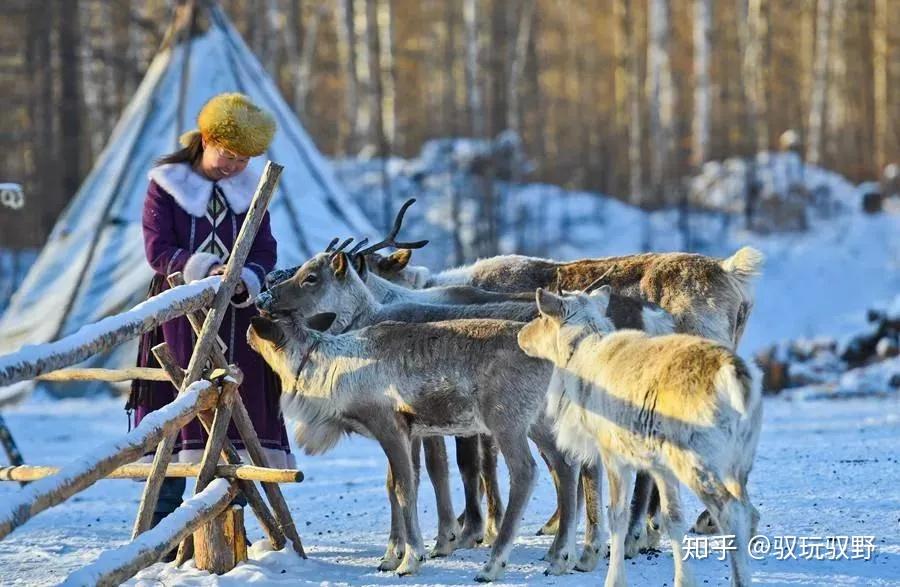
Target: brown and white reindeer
[(397, 381), (683, 408), (707, 296), (327, 284)]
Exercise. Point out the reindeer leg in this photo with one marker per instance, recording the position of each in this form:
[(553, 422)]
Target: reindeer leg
[(562, 552), (594, 540), (620, 487), (639, 536), (551, 526), (522, 474), (394, 551), (673, 524), (491, 486), (395, 442), (448, 529), (469, 462)]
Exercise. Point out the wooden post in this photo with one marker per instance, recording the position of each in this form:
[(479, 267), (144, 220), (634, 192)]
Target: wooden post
[(211, 453), (83, 473), (219, 544), (207, 338), (25, 473), (266, 519), (251, 441), (115, 566), (112, 375)]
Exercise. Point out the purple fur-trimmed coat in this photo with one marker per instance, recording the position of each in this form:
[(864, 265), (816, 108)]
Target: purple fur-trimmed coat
[(175, 227)]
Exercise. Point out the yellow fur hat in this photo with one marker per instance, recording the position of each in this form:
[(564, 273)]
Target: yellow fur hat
[(236, 123)]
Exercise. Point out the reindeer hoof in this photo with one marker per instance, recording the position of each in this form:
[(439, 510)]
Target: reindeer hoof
[(561, 564), (590, 557), (444, 546), (705, 524), (410, 565), (491, 572)]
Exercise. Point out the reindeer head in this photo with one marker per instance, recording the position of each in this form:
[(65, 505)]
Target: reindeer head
[(283, 344), (563, 322), (325, 283), (396, 269)]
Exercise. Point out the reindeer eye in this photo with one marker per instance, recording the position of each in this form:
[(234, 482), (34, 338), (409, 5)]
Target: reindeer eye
[(310, 279)]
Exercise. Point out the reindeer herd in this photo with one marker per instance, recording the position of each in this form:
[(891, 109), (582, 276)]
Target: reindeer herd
[(622, 363)]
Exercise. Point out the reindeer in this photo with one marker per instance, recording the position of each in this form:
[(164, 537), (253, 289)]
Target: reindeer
[(706, 296), (681, 407), (397, 381), (327, 284)]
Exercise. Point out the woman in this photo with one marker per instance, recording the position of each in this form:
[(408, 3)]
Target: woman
[(196, 203)]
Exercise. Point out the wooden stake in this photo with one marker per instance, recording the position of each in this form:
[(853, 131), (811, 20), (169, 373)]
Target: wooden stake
[(211, 453), (219, 544)]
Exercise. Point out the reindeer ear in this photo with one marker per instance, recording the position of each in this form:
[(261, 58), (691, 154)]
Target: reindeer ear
[(339, 265), (400, 258), (361, 266), (603, 290), (600, 298), (321, 322), (550, 305), (267, 329)]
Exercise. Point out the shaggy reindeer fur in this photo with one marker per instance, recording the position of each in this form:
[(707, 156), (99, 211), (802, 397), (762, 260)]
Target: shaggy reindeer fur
[(335, 288), (706, 296), (396, 381), (681, 407)]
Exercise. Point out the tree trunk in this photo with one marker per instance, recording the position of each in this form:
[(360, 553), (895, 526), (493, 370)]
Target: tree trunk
[(661, 95), (473, 89), (304, 64), (346, 45), (703, 19), (836, 132), (882, 120), (820, 83), (70, 105), (517, 67), (364, 76), (627, 32), (219, 544)]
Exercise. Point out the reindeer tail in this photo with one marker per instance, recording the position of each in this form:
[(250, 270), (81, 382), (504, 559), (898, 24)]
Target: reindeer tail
[(744, 265), (739, 383)]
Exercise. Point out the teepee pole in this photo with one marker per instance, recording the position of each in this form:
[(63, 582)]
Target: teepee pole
[(206, 341)]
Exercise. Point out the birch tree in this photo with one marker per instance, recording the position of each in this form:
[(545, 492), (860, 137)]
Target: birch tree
[(882, 120), (661, 96), (819, 83), (702, 90)]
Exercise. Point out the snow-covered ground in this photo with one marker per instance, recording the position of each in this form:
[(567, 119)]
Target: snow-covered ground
[(824, 468)]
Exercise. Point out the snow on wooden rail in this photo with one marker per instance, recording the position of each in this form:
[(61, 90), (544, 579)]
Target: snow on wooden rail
[(115, 566), (33, 360), (142, 471), (86, 471)]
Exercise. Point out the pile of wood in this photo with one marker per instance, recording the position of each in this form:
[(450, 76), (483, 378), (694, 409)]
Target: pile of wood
[(823, 361)]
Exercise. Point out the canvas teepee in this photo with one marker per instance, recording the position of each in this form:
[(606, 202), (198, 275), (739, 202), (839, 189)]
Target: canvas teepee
[(93, 263)]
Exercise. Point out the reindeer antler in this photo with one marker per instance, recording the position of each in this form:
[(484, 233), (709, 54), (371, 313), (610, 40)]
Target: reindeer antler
[(330, 246), (598, 282), (557, 287), (358, 246), (334, 252), (389, 240)]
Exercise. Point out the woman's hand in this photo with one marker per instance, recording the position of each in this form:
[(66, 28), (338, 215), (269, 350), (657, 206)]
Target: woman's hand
[(239, 289)]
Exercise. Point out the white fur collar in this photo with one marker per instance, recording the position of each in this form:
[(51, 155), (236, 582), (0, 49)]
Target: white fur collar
[(191, 190)]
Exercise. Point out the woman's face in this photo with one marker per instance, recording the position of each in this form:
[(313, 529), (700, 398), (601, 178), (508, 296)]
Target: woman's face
[(218, 162)]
